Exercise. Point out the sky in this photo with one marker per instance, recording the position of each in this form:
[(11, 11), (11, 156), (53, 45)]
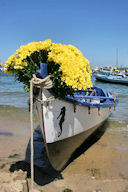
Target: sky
[(98, 28)]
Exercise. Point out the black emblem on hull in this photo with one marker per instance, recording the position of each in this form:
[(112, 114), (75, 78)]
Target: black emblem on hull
[(62, 114)]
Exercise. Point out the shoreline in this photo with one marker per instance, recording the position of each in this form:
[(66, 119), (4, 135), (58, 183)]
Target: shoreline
[(101, 168)]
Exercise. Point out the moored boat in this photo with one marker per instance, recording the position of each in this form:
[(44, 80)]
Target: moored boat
[(67, 123), (105, 70), (120, 79)]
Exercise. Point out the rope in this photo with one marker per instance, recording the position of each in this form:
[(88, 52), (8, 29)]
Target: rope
[(45, 83), (47, 100)]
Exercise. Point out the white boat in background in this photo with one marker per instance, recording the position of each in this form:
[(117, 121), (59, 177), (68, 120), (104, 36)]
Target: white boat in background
[(95, 70), (106, 70), (2, 69), (66, 124), (116, 78)]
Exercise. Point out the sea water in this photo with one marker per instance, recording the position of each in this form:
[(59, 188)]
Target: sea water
[(12, 94), (14, 101)]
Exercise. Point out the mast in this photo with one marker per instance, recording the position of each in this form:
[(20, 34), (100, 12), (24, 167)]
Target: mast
[(117, 58)]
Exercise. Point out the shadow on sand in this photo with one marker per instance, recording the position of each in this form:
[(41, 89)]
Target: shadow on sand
[(43, 171)]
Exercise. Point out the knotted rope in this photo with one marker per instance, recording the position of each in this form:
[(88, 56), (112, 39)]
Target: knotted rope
[(45, 83)]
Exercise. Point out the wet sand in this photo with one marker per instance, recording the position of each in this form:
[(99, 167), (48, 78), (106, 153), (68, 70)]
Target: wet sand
[(102, 167)]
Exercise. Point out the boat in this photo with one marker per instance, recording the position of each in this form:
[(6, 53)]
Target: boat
[(105, 70), (1, 69), (95, 70), (117, 78), (67, 123), (126, 71)]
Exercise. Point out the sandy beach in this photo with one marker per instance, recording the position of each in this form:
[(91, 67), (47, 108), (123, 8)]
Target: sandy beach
[(100, 166)]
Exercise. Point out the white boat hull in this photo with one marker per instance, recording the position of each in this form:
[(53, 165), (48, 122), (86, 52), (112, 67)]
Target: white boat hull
[(65, 132)]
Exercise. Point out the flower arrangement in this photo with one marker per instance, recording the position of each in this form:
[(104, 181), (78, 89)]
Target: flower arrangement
[(69, 69)]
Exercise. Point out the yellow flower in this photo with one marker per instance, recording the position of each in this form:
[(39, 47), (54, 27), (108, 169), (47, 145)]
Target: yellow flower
[(18, 67), (7, 72), (73, 66)]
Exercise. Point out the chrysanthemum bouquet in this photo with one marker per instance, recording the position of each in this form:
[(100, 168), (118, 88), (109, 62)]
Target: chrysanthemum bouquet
[(68, 68)]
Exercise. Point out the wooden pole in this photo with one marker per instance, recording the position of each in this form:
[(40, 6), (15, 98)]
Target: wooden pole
[(31, 124)]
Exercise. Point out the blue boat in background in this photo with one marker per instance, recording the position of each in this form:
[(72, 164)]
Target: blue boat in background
[(105, 71), (120, 79)]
